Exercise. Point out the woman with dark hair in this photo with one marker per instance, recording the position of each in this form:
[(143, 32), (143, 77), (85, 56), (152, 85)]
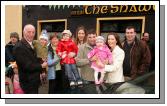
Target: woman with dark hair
[(115, 70), (81, 35), (55, 73)]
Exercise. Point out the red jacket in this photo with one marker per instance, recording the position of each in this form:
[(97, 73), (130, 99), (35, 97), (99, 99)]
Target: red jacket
[(68, 46)]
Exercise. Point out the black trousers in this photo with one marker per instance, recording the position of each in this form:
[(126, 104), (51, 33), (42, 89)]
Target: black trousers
[(31, 90), (58, 85)]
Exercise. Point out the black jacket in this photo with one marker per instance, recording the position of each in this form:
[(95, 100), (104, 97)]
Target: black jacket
[(9, 53), (29, 67)]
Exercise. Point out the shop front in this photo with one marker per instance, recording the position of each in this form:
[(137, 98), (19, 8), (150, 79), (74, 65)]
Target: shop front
[(104, 19)]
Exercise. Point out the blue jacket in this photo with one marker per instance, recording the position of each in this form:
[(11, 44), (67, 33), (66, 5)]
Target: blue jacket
[(51, 65)]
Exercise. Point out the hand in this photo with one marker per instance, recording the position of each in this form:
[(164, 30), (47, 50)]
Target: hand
[(44, 64), (94, 58), (71, 54), (44, 59), (100, 64)]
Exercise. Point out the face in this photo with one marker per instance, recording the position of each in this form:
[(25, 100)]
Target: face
[(91, 39), (66, 37), (130, 34), (146, 36), (99, 43), (112, 41), (81, 35), (13, 40), (54, 41), (43, 42), (29, 33)]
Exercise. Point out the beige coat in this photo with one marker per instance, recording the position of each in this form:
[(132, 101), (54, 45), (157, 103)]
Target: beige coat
[(115, 71), (87, 73)]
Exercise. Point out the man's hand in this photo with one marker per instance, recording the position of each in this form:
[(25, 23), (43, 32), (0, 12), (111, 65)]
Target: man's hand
[(94, 58), (44, 64)]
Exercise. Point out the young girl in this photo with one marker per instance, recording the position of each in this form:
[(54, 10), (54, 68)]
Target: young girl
[(67, 50), (100, 55)]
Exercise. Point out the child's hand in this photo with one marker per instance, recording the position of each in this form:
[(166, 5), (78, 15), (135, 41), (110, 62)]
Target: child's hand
[(100, 64), (65, 52)]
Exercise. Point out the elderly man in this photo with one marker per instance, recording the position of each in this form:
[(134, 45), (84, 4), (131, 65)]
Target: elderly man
[(28, 64), (87, 73)]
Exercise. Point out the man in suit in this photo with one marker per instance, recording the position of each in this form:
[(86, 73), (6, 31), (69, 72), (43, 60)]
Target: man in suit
[(29, 67)]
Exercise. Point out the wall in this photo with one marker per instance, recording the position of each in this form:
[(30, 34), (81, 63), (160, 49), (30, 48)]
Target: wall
[(13, 21)]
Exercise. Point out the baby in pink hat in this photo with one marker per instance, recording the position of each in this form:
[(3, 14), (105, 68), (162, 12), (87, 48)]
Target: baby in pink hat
[(99, 56)]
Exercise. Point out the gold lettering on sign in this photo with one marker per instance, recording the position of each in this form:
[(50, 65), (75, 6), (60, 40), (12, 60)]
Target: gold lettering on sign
[(133, 9), (86, 9), (147, 9), (114, 9), (96, 9), (122, 9), (104, 9)]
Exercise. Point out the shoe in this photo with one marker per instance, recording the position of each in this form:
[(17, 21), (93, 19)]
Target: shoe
[(72, 83), (97, 82), (79, 82)]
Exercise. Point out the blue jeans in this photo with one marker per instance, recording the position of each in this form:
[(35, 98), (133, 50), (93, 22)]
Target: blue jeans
[(72, 72)]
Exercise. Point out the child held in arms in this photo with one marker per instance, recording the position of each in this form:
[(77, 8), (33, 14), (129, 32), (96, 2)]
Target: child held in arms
[(40, 46), (99, 56), (67, 50)]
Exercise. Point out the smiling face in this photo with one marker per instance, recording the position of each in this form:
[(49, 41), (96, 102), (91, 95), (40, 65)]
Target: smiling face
[(81, 35), (54, 41), (66, 37), (100, 43), (91, 39), (29, 32), (130, 34), (112, 42), (43, 42)]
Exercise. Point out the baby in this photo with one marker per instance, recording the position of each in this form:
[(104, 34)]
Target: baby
[(99, 56)]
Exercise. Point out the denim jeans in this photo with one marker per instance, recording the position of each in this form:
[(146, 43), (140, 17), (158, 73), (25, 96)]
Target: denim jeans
[(72, 72)]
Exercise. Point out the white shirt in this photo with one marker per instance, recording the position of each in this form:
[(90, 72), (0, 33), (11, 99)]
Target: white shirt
[(30, 44), (115, 70)]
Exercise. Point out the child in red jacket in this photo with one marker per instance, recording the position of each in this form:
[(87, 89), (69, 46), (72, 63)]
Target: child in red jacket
[(67, 50)]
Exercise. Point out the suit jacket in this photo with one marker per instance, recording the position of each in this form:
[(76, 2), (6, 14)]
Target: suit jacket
[(29, 67)]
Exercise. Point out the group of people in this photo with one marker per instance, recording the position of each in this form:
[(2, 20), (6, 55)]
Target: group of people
[(76, 61)]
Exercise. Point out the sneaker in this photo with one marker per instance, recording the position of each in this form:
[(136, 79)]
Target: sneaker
[(72, 83), (79, 82)]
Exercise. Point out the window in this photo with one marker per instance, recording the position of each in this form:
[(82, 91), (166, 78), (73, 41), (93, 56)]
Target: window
[(52, 26), (119, 24)]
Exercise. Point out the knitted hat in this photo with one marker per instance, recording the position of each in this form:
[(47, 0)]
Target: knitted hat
[(67, 32), (100, 38), (44, 35)]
